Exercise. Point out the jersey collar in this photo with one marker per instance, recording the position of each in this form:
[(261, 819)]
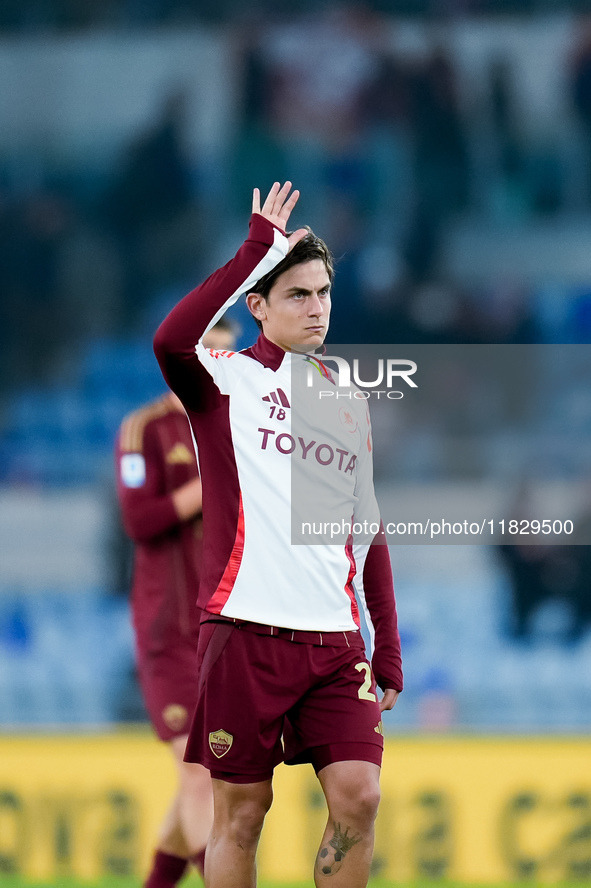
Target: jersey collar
[(266, 353), (271, 355)]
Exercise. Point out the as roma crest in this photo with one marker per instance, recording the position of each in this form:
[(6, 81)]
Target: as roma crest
[(220, 742)]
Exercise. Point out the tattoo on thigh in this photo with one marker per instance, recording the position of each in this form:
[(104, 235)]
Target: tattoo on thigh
[(331, 856)]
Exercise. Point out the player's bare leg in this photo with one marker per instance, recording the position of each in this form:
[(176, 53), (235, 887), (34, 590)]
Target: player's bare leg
[(195, 799), (352, 792), (171, 857), (185, 829), (170, 835), (239, 812)]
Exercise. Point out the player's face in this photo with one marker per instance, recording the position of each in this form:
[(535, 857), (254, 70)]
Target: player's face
[(295, 316)]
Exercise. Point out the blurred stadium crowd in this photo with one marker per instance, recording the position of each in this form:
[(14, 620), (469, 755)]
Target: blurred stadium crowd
[(423, 187)]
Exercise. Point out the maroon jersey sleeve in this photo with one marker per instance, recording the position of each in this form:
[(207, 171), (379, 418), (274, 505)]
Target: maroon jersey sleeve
[(379, 596), (377, 582), (147, 511), (179, 333)]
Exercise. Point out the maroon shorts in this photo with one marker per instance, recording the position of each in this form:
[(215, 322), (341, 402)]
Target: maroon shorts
[(168, 680), (255, 689)]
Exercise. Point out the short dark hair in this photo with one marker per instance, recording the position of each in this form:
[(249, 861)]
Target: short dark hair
[(307, 249)]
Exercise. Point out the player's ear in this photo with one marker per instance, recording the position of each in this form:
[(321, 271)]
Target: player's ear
[(257, 306)]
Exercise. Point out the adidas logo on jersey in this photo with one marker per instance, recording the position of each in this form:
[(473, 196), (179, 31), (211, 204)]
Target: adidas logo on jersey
[(278, 397)]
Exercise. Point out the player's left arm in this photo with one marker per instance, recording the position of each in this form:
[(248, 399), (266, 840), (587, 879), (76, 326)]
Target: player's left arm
[(374, 583), (380, 604), (147, 508), (146, 511)]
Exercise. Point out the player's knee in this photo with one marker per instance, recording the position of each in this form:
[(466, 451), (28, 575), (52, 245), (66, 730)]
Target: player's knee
[(246, 821), (358, 803), (368, 802)]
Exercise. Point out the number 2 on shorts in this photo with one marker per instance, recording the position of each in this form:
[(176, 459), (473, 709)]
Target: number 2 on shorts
[(364, 692)]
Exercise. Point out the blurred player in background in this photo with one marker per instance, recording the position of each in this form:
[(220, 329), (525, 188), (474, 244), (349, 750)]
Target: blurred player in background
[(159, 492), (281, 654)]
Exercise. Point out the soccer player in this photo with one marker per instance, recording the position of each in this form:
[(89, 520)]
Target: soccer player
[(283, 673), (159, 492)]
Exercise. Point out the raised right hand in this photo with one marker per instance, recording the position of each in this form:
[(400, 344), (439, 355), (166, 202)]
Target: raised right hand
[(277, 209)]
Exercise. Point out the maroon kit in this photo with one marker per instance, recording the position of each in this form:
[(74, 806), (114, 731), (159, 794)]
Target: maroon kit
[(155, 456), (314, 688)]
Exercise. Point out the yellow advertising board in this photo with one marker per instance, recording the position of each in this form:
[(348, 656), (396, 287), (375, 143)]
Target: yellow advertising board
[(468, 809)]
